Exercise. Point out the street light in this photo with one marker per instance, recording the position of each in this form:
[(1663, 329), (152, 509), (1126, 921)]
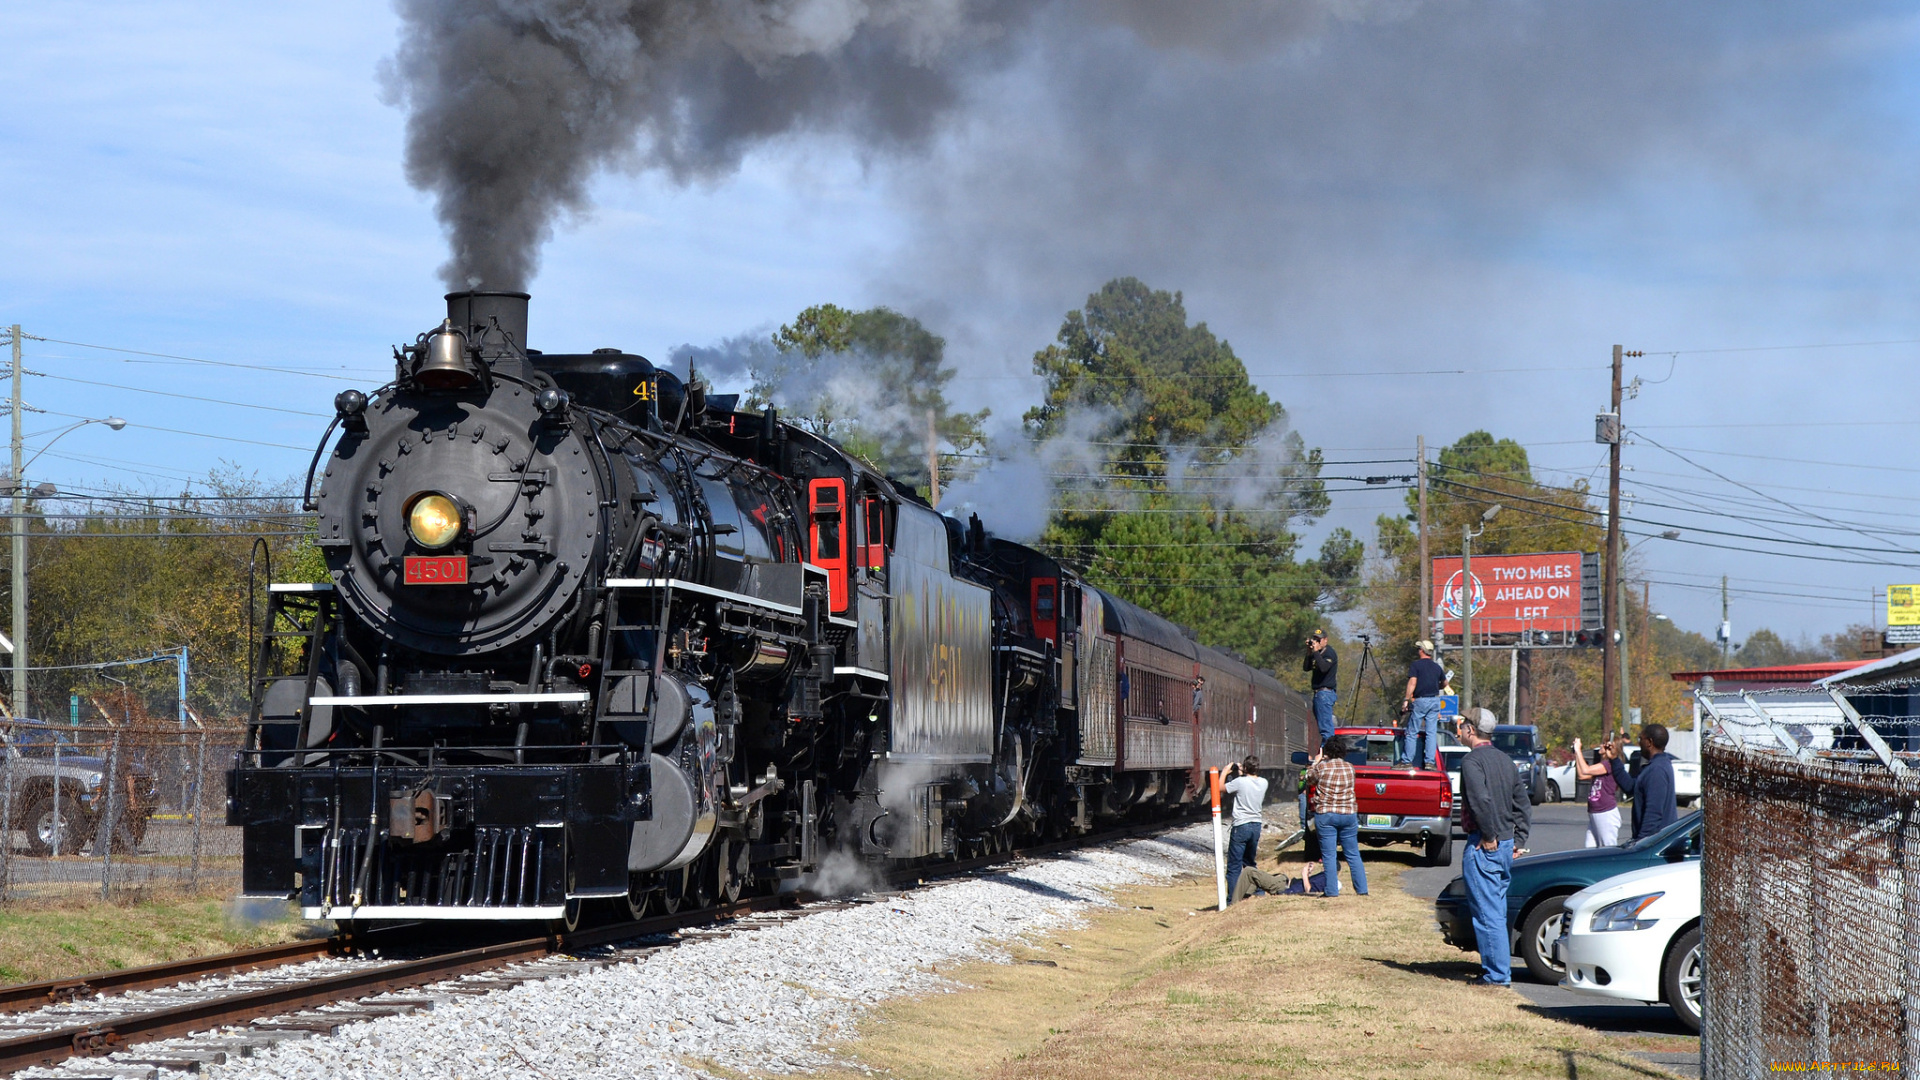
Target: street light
[(16, 484), (1467, 533)]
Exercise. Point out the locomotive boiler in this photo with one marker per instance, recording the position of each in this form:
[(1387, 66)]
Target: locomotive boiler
[(592, 633)]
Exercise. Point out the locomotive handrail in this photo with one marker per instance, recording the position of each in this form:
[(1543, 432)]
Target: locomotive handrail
[(709, 590)]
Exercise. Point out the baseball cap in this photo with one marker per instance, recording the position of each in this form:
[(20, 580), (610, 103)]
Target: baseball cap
[(1485, 721), (1423, 645), (1318, 635)]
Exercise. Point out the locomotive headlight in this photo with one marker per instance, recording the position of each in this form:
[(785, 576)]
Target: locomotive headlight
[(433, 520)]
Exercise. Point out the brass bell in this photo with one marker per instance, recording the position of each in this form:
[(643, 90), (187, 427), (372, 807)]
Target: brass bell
[(446, 366)]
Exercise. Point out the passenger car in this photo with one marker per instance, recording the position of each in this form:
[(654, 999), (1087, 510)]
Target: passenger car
[(1396, 803), (1637, 936), (1541, 884)]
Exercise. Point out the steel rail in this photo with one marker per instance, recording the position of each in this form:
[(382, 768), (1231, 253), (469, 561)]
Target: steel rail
[(92, 1039)]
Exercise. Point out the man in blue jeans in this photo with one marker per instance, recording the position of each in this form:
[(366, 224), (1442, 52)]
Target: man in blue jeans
[(1336, 815), (1422, 706), (1324, 663), (1249, 791), (1495, 814)]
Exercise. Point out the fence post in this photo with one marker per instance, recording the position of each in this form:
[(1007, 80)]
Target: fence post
[(6, 830), (199, 805), (1910, 951), (103, 833), (57, 786)]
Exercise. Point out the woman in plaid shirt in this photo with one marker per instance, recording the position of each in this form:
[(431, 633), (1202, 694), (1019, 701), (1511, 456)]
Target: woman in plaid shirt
[(1335, 815)]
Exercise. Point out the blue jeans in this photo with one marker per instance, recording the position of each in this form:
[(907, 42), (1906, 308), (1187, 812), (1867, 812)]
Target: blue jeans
[(1342, 831), (1487, 875), (1243, 849), (1423, 732), (1323, 712)]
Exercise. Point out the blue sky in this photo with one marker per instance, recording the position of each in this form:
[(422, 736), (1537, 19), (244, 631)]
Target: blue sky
[(1422, 187)]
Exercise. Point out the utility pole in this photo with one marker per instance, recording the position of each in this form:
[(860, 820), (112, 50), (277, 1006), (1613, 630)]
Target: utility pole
[(1610, 580), (1426, 566), (18, 524)]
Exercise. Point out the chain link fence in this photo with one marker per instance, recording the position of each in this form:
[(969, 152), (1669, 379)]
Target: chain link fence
[(115, 811), (1811, 878)]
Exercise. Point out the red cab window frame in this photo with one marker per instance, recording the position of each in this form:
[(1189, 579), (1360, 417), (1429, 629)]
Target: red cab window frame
[(827, 536)]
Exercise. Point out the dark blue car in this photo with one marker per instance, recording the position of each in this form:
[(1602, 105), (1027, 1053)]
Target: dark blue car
[(1541, 884)]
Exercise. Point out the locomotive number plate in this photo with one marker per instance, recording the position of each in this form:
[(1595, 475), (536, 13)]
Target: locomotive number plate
[(435, 570)]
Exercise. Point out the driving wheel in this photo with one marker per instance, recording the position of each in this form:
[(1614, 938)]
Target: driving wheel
[(673, 890)]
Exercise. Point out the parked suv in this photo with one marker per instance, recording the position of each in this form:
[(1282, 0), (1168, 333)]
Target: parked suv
[(60, 789)]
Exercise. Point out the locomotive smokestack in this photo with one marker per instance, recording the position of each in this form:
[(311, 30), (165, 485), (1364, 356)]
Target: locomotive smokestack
[(474, 313)]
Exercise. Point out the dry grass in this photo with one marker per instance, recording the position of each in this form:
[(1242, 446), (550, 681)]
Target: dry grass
[(1167, 989), (55, 939)]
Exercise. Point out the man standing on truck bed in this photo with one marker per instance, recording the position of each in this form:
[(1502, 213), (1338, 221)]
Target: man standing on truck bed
[(1422, 706), (1495, 816), (1324, 663)]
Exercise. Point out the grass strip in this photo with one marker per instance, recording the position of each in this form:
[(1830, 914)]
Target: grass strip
[(57, 939), (1164, 987)]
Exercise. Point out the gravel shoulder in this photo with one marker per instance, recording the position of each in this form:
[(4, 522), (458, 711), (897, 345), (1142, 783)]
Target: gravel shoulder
[(771, 999)]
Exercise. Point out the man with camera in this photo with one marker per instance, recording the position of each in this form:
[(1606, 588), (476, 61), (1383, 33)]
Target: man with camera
[(1324, 663), (1249, 791)]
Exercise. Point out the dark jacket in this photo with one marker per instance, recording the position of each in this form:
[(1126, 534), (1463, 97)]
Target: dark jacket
[(1651, 787), (1495, 796), (1325, 666)]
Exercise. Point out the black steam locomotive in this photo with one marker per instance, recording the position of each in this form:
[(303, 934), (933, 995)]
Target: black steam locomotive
[(595, 633)]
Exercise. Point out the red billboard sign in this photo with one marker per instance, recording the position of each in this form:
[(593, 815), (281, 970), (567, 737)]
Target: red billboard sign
[(1510, 593)]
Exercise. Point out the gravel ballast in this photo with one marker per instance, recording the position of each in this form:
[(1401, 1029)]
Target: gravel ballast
[(768, 1001)]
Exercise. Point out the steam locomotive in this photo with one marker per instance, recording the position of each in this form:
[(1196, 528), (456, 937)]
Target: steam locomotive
[(593, 633)]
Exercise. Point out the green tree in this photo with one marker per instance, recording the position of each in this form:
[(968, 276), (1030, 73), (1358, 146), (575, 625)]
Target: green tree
[(1190, 493), (874, 380), (137, 576)]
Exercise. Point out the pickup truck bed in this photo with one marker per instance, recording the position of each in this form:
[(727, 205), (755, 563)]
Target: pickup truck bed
[(1398, 804)]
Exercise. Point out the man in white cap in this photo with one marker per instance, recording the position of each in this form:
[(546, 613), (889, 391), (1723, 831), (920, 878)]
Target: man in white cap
[(1422, 706)]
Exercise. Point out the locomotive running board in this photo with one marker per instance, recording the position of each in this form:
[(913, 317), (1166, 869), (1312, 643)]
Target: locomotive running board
[(417, 912), (448, 699)]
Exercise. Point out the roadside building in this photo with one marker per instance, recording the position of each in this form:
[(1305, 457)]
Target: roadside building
[(1874, 691), (1685, 745)]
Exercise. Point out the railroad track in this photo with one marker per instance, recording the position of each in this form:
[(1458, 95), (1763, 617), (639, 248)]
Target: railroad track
[(68, 1018)]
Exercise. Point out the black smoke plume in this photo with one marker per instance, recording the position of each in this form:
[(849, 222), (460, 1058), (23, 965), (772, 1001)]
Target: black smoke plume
[(514, 105)]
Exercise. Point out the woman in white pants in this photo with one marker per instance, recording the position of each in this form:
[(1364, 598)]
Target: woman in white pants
[(1603, 801)]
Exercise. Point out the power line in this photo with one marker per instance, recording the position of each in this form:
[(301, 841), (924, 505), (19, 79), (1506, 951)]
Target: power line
[(195, 434), (190, 359), (1770, 498), (184, 397)]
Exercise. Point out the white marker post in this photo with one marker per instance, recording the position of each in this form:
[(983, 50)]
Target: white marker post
[(1219, 840)]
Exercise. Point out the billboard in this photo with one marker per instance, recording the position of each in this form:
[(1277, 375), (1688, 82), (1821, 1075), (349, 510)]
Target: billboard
[(1903, 605), (1515, 594)]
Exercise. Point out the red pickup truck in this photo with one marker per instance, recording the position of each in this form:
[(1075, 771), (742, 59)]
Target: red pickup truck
[(1398, 804)]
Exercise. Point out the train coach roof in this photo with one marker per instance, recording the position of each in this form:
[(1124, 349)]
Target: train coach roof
[(1137, 622), (1220, 661)]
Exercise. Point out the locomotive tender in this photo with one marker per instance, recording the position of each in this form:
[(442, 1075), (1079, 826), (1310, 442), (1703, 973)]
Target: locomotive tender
[(592, 632)]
